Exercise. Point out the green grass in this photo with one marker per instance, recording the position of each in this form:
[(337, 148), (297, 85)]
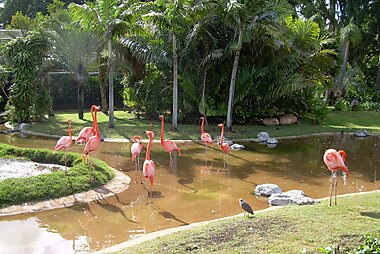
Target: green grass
[(126, 126), (53, 185), (288, 230)]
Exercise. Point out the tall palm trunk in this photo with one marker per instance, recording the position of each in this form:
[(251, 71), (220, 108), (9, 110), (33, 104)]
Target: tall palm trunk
[(233, 79), (342, 74), (110, 83), (378, 45), (175, 85), (103, 86), (80, 99), (203, 102)]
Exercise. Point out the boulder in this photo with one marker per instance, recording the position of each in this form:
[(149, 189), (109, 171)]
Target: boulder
[(271, 121), (272, 141), (288, 119), (237, 147), (293, 197), (225, 140), (361, 133), (267, 189), (263, 136)]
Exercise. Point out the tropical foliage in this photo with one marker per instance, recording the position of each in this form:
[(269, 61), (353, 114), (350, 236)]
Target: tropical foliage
[(233, 60)]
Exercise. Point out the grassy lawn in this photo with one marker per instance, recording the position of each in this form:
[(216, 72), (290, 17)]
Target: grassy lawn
[(54, 185), (126, 126), (292, 229)]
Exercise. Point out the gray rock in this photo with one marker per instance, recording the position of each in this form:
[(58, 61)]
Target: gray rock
[(225, 140), (267, 189), (272, 141), (263, 136), (271, 145), (361, 133), (237, 147), (293, 197), (21, 126)]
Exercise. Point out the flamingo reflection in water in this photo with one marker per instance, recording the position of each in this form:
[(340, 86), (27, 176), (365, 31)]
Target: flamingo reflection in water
[(334, 161)]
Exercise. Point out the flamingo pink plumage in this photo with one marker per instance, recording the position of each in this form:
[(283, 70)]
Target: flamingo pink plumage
[(225, 147), (87, 132), (136, 147), (93, 142), (64, 142), (206, 138), (168, 145), (149, 166), (334, 161)]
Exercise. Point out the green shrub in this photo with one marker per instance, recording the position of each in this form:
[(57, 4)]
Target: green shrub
[(371, 245), (53, 185), (342, 105)]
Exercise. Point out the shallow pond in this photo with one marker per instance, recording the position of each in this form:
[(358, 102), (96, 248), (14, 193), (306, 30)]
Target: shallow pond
[(198, 187)]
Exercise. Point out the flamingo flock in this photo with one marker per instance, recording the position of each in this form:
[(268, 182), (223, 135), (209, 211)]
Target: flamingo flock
[(90, 136)]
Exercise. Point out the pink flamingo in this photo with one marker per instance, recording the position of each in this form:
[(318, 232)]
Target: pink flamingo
[(64, 143), (136, 150), (206, 138), (93, 142), (334, 161), (225, 147), (168, 145), (149, 166), (86, 132)]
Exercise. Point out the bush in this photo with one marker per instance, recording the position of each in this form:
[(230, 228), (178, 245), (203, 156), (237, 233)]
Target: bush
[(371, 245), (342, 105)]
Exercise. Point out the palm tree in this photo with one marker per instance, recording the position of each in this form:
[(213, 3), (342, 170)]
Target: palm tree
[(246, 18), (102, 16), (350, 36)]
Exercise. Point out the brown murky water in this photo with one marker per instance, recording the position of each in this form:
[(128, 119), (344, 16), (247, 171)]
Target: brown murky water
[(198, 187)]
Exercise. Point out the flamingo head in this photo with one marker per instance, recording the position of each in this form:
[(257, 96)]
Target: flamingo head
[(149, 133), (69, 121), (161, 117), (221, 125), (202, 118), (136, 139)]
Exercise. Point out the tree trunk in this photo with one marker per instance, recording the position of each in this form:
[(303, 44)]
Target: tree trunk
[(203, 102), (80, 99), (233, 80), (110, 82), (332, 24), (378, 47), (342, 74), (175, 85), (103, 86)]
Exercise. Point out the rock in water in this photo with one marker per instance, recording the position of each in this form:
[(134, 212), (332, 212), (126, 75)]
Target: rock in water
[(267, 189)]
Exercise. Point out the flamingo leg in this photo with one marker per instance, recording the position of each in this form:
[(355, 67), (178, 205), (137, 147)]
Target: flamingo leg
[(331, 186), (336, 187), (170, 162), (92, 173)]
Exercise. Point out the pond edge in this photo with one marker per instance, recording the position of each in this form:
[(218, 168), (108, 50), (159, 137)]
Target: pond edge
[(116, 185)]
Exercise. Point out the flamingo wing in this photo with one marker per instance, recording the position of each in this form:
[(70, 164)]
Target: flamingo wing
[(226, 148), (63, 143), (206, 138), (135, 150), (84, 135), (92, 144), (169, 146)]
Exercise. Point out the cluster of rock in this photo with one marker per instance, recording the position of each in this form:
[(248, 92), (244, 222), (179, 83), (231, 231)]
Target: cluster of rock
[(278, 198), (264, 137), (283, 120), (361, 133)]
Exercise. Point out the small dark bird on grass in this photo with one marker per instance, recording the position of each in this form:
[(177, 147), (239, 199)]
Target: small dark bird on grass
[(246, 207)]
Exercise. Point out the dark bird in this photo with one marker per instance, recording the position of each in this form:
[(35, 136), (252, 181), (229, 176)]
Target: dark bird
[(246, 207)]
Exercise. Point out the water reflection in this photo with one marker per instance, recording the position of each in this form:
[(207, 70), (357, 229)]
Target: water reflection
[(197, 187)]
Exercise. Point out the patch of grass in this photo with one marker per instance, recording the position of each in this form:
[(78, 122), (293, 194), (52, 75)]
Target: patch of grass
[(288, 230), (126, 126), (54, 185)]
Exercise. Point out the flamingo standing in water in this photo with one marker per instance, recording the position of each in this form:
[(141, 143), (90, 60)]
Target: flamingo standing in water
[(136, 150), (93, 142), (168, 145), (225, 147), (206, 138), (334, 161), (86, 132), (149, 166), (64, 143)]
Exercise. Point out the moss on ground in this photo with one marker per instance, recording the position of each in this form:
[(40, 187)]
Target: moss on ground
[(54, 185)]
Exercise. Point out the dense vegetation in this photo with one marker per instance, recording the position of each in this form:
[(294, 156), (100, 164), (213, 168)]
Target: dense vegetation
[(243, 60), (53, 185)]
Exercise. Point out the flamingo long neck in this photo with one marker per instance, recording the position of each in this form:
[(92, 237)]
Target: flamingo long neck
[(162, 130), (96, 127), (147, 155), (222, 136), (203, 126), (70, 135), (150, 126), (93, 118)]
